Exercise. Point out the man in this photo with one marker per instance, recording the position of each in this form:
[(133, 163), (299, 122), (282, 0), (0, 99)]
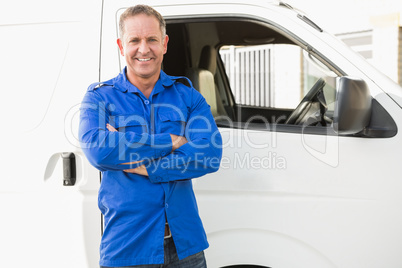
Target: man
[(149, 134)]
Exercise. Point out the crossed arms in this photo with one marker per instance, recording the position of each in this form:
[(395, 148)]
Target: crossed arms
[(162, 157), (177, 141)]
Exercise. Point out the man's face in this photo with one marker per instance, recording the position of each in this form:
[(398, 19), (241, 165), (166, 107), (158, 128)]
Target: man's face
[(143, 47)]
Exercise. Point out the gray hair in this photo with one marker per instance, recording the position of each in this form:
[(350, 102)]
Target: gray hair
[(141, 9)]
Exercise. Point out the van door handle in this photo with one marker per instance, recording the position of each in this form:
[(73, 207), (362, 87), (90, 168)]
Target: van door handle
[(69, 169)]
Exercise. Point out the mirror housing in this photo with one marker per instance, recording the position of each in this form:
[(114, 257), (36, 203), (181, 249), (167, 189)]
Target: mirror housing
[(353, 106)]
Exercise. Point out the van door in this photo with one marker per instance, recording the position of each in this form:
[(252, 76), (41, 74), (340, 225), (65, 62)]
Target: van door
[(49, 56), (293, 193)]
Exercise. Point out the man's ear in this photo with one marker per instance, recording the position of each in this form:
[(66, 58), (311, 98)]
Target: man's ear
[(165, 43), (120, 44)]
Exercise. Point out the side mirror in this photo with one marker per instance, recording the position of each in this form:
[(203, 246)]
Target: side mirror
[(353, 106)]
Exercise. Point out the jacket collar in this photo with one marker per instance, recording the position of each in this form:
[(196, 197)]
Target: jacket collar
[(121, 83)]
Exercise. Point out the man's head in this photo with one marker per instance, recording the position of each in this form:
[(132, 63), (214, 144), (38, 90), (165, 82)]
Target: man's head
[(141, 9), (143, 42)]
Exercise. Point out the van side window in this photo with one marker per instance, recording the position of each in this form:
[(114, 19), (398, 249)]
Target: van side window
[(272, 79), (271, 76), (251, 74)]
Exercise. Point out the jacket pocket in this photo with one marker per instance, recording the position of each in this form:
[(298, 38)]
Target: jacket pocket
[(172, 122), (134, 122)]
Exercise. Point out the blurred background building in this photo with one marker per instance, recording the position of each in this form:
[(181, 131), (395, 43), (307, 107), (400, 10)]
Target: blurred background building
[(371, 27)]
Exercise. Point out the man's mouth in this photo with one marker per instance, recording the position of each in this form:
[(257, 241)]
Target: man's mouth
[(143, 60)]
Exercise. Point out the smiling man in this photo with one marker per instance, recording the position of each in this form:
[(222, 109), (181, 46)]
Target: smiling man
[(149, 135), (143, 43)]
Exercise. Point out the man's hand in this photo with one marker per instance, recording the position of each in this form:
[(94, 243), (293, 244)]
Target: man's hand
[(177, 141), (110, 128), (138, 170), (141, 170)]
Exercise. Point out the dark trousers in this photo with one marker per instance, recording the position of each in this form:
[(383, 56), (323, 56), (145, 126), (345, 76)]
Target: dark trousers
[(172, 260)]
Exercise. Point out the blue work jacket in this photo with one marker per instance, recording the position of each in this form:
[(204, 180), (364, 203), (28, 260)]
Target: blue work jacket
[(136, 207)]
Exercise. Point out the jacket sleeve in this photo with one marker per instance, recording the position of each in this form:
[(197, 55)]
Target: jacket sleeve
[(201, 155), (108, 150)]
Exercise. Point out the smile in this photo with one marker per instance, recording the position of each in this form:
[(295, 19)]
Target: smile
[(143, 60)]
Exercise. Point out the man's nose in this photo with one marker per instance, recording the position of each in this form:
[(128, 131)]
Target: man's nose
[(143, 47)]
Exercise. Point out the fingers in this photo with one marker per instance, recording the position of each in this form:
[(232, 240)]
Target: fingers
[(141, 170), (130, 170), (131, 163), (111, 128), (177, 141)]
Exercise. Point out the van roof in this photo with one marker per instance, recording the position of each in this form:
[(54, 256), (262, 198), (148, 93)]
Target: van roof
[(189, 2)]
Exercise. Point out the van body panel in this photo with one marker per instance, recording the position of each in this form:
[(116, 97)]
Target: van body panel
[(49, 54)]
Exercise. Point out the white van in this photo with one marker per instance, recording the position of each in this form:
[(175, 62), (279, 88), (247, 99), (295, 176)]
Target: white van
[(310, 175)]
